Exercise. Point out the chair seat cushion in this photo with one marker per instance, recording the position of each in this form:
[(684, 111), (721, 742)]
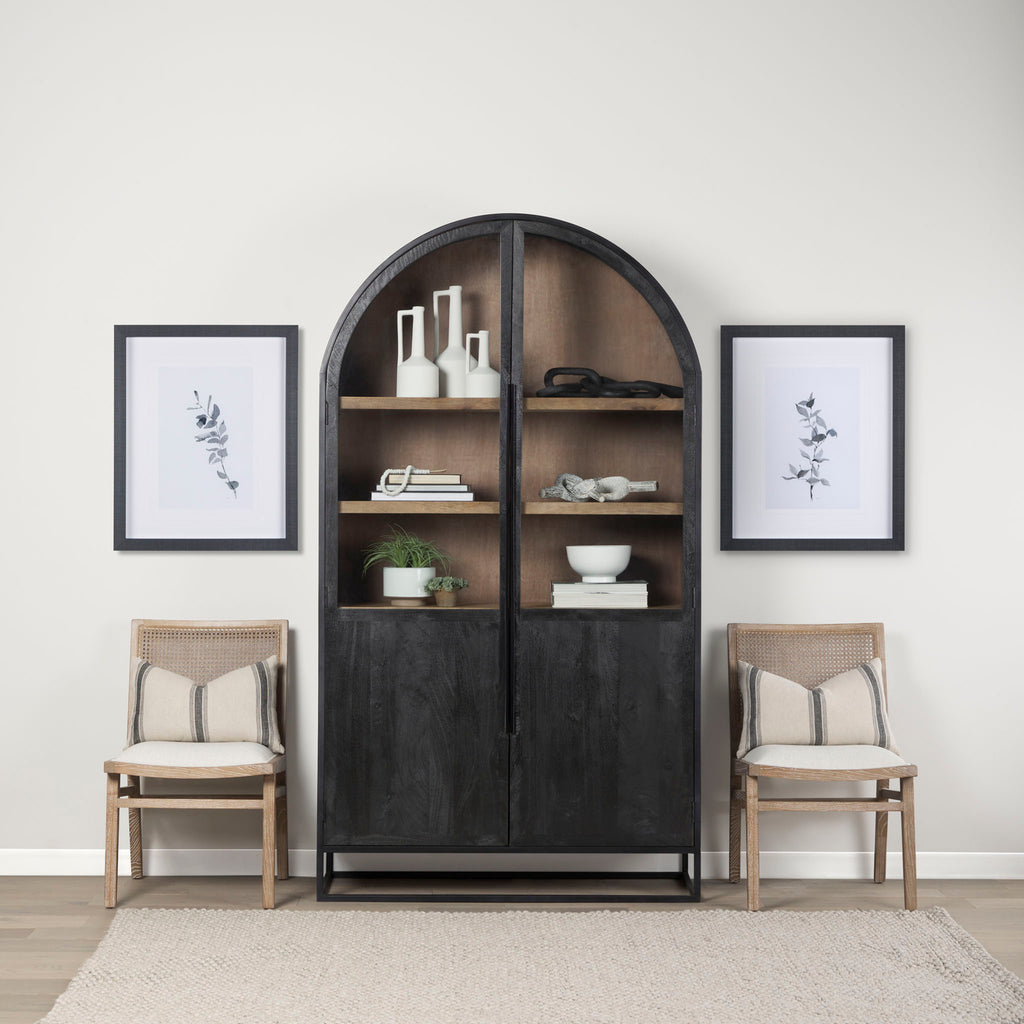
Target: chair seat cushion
[(169, 754), (838, 757)]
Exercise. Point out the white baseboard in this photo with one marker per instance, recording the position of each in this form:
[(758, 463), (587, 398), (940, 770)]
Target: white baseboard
[(774, 863), (836, 864)]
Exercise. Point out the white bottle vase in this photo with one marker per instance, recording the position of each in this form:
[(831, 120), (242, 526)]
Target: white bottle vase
[(417, 376), (452, 361), (481, 381)]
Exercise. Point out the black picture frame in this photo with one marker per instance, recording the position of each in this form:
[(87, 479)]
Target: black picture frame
[(734, 538), (127, 539)]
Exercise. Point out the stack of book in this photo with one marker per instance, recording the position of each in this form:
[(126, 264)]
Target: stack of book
[(426, 487), (627, 594)]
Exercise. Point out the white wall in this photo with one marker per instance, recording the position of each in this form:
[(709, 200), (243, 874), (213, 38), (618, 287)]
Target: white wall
[(784, 162)]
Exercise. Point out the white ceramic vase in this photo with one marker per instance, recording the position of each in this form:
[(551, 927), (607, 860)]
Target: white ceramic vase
[(417, 376), (407, 586), (452, 362), (481, 380)]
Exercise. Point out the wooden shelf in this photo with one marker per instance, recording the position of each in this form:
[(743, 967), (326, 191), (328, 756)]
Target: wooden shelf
[(347, 402), (430, 606), (603, 404), (400, 508), (546, 607), (556, 507)]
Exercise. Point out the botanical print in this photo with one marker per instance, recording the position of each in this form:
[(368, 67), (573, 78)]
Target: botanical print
[(213, 434), (818, 432), (789, 467)]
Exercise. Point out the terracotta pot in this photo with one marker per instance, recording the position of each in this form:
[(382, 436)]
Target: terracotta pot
[(446, 598)]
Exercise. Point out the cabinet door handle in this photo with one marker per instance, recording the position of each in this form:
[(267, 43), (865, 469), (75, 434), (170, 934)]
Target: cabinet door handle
[(512, 690)]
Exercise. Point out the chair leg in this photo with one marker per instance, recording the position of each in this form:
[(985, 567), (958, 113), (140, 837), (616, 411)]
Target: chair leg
[(753, 867), (269, 836), (135, 827), (282, 829), (909, 844), (735, 813), (110, 850), (881, 834)]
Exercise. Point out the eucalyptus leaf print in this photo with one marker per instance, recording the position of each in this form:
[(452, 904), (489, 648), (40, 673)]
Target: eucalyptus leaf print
[(817, 433), (213, 435)]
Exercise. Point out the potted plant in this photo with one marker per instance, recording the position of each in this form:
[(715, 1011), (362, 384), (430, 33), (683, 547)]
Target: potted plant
[(411, 566), (446, 588)]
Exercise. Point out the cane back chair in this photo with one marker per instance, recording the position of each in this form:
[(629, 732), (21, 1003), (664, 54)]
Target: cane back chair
[(810, 654), (201, 651)]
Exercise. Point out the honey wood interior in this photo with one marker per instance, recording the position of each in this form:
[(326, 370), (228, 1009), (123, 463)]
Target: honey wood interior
[(471, 541), (639, 446), (657, 555), (371, 355), (375, 440), (578, 311)]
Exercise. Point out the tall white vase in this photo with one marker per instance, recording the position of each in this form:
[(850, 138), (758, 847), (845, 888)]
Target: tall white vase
[(417, 376), (452, 361), (481, 381)]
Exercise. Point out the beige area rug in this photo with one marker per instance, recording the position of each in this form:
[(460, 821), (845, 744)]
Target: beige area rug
[(521, 967)]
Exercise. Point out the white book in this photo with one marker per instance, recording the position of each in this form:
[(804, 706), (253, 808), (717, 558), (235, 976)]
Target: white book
[(427, 478), (406, 496), (422, 488), (598, 601), (626, 587)]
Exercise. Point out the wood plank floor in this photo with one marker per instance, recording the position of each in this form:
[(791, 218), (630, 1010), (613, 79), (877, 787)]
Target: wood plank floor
[(49, 926)]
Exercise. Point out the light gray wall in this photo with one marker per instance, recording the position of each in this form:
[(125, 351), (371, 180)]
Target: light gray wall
[(780, 162)]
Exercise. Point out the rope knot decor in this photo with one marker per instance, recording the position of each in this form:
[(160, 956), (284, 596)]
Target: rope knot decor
[(407, 473), (570, 487), (592, 385)]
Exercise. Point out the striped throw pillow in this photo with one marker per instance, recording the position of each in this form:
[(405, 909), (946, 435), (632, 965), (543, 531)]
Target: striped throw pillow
[(239, 706), (848, 708)]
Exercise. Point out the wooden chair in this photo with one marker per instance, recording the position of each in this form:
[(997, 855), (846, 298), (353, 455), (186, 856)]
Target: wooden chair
[(809, 655), (203, 651)]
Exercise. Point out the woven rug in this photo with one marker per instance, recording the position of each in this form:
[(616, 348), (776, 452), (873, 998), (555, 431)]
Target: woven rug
[(523, 967)]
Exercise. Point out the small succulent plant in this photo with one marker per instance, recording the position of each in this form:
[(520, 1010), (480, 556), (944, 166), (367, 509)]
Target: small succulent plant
[(818, 432), (213, 432), (449, 584)]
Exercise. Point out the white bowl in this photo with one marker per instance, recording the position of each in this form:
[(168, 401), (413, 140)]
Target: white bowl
[(598, 563)]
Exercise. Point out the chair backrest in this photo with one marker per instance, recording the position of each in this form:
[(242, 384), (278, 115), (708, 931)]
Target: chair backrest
[(807, 654), (204, 650)]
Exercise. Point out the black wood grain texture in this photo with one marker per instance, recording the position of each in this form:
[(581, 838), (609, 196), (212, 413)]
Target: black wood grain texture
[(414, 744), (604, 752)]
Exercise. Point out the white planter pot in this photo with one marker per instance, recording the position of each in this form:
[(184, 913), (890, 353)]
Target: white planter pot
[(407, 586)]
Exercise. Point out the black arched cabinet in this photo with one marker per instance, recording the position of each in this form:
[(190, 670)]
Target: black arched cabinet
[(505, 725)]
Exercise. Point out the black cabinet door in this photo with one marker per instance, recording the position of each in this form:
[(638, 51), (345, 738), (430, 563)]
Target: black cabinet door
[(415, 751), (603, 755)]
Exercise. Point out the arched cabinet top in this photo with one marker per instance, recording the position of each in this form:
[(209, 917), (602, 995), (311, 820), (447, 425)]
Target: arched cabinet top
[(511, 235)]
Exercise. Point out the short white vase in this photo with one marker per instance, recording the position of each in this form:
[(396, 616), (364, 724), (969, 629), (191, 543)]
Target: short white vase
[(481, 382), (407, 587)]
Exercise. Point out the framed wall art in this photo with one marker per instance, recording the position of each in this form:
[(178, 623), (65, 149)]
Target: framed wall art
[(813, 438), (205, 438)]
